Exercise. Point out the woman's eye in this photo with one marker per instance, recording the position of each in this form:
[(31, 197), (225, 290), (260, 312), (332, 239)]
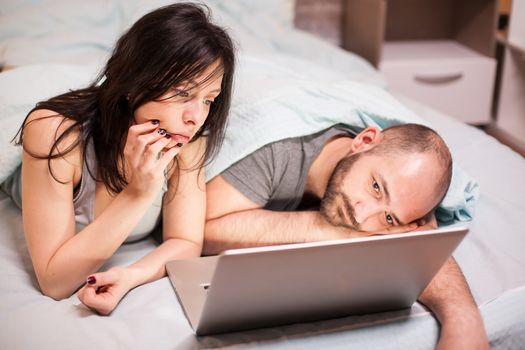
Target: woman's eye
[(182, 93), (389, 219), (208, 102), (376, 186)]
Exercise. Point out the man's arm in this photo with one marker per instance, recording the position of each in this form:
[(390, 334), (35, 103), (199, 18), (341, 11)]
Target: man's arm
[(260, 227), (234, 221), (448, 297)]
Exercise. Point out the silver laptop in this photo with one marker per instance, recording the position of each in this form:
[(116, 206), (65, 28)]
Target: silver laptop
[(268, 286)]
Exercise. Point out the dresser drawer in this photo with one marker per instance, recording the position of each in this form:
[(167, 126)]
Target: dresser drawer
[(454, 80)]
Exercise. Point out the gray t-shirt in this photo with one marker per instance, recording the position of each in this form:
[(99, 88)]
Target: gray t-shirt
[(275, 175)]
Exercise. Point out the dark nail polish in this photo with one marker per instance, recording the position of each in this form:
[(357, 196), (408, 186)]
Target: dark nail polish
[(168, 136), (155, 122), (91, 280), (162, 131), (179, 144)]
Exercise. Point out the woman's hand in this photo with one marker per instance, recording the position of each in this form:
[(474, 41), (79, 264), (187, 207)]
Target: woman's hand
[(104, 290), (145, 164)]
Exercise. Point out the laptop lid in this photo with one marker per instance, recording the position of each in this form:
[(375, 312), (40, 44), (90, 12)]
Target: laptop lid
[(268, 286), (191, 278)]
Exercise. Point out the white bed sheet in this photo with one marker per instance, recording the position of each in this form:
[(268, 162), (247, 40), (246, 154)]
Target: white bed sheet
[(150, 316)]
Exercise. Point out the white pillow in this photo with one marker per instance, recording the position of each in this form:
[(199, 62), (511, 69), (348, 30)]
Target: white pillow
[(37, 82), (20, 89)]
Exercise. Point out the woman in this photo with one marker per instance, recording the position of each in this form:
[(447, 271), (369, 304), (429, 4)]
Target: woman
[(111, 157)]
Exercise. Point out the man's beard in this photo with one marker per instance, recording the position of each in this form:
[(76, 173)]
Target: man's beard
[(335, 206)]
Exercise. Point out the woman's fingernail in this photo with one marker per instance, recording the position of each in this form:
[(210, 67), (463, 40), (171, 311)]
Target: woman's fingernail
[(179, 144), (155, 122), (91, 280), (168, 136), (161, 131)]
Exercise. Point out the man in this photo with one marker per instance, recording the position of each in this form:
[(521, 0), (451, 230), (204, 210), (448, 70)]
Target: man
[(373, 182)]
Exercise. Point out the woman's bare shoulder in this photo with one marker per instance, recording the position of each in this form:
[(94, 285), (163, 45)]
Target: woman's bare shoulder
[(43, 128)]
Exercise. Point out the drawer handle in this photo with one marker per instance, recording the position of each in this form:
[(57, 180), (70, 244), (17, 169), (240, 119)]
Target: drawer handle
[(438, 78)]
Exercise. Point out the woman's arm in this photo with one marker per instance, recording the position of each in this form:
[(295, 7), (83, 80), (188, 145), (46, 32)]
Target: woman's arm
[(184, 214), (183, 229), (60, 257)]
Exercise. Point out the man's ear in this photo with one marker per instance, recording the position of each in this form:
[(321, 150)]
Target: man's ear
[(366, 139)]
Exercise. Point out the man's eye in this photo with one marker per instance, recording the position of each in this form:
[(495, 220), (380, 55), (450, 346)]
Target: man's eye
[(389, 219), (376, 186)]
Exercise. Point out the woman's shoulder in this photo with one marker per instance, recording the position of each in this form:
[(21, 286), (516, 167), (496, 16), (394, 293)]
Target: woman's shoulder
[(46, 119), (48, 132)]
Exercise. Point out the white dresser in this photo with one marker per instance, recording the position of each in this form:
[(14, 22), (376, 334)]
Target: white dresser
[(440, 52), (443, 74)]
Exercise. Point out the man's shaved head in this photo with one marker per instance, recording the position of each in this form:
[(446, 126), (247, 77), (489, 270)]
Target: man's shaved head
[(416, 138), (389, 178)]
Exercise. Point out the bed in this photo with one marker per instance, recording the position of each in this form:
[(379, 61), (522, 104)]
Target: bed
[(72, 39)]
